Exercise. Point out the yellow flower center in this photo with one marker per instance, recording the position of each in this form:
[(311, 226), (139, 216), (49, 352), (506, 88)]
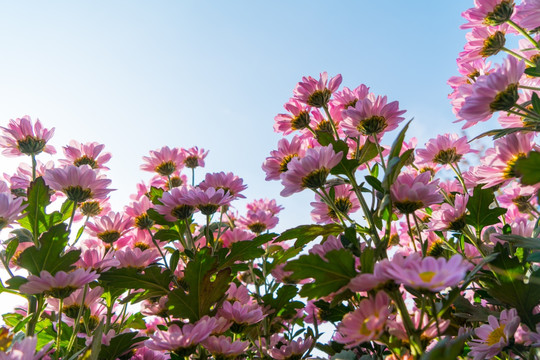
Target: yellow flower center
[(496, 335), (426, 276)]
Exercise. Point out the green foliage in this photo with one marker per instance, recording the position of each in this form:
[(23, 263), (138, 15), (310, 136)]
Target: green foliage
[(533, 71), (446, 349), (50, 255), (119, 345), (330, 275), (529, 168), (282, 303), (154, 279), (481, 213), (245, 250), (307, 233)]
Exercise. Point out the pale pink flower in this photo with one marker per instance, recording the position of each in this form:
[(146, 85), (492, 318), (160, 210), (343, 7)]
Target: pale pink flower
[(176, 204), (97, 258), (182, 341), (241, 314), (411, 192), (283, 349), (73, 302), (238, 293), (10, 209), (496, 91), (223, 347), (209, 200), (532, 338), (20, 181), (136, 258), (470, 70), (366, 323), (60, 285), (138, 210), (488, 12), (277, 162), (310, 171), (346, 98), (111, 227), (450, 216), (371, 117), (144, 353), (21, 137), (315, 92), (483, 42), (444, 149), (331, 243), (138, 239), (495, 335), (155, 308), (268, 205), (25, 349), (498, 166), (429, 273), (230, 183), (297, 118), (528, 14), (231, 236), (345, 201), (367, 281), (451, 186), (258, 221), (78, 183), (193, 157), (164, 161), (86, 154), (176, 179), (519, 196)]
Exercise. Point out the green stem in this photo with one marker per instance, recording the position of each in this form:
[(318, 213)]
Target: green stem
[(193, 176), (365, 209), (529, 87), (524, 33), (459, 176), (419, 231), (414, 340), (37, 313), (59, 330), (34, 166), (77, 322), (379, 150), (411, 232), (531, 114), (72, 215), (514, 54), (325, 107)]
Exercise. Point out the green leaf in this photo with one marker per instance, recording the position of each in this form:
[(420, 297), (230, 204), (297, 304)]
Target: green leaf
[(480, 212), (398, 143), (155, 279), (247, 250), (282, 303), (499, 133), (38, 199), (306, 233), (533, 71), (331, 313), (167, 235), (446, 349), (175, 258), (119, 345), (11, 248), (534, 257), (374, 182), (368, 152), (16, 281), (535, 102), (205, 287), (158, 218), (330, 275), (155, 195), (393, 169), (49, 256), (520, 241), (529, 168)]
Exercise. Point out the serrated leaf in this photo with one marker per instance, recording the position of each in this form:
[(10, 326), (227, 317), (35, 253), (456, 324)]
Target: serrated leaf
[(306, 233), (167, 235), (155, 279), (480, 212), (247, 250), (330, 275), (529, 168), (119, 345)]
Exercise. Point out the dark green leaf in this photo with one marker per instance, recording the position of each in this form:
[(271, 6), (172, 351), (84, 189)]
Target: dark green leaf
[(521, 241), (533, 71), (499, 133), (331, 313), (167, 235), (398, 143), (175, 257), (446, 349), (158, 218), (247, 250), (393, 169), (534, 257), (368, 151), (38, 199), (16, 281), (529, 168), (480, 212), (306, 233), (535, 102), (155, 279), (119, 345), (11, 248), (374, 182)]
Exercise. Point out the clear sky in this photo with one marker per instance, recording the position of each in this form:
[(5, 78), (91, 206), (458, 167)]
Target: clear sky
[(138, 75)]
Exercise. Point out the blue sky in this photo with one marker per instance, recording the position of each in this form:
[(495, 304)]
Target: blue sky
[(138, 75)]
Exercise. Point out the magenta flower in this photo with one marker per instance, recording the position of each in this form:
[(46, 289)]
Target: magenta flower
[(231, 236), (371, 117), (488, 12), (346, 98), (444, 149), (283, 349), (450, 217), (223, 347), (182, 341), (241, 314), (366, 323), (277, 162), (315, 92), (73, 302), (345, 201), (497, 91), (21, 137), (230, 183), (78, 183), (528, 14), (258, 221), (268, 205), (25, 349), (429, 273), (136, 258), (495, 335), (367, 281), (193, 157), (411, 192), (10, 209), (60, 285), (86, 154), (109, 228), (138, 210), (297, 118), (209, 200), (483, 42), (176, 204), (310, 171), (164, 161), (97, 258), (238, 293)]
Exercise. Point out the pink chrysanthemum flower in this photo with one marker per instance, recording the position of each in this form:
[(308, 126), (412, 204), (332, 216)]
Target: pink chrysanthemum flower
[(20, 181), (277, 162), (164, 161), (483, 42), (176, 204), (444, 149), (86, 154), (431, 329), (518, 196), (223, 347), (155, 308), (232, 236), (193, 157), (346, 98), (528, 14), (240, 314), (25, 349), (176, 179), (283, 349), (268, 205), (138, 210), (230, 183), (411, 192), (495, 335), (470, 70), (73, 302), (429, 273), (450, 217), (331, 243), (238, 293), (488, 12), (111, 227), (144, 353), (315, 92), (297, 118), (258, 221), (97, 258), (208, 201), (497, 91), (21, 137), (366, 323), (498, 166), (310, 171), (182, 341), (60, 285), (78, 183), (10, 209), (371, 117), (367, 281), (345, 202), (136, 258)]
